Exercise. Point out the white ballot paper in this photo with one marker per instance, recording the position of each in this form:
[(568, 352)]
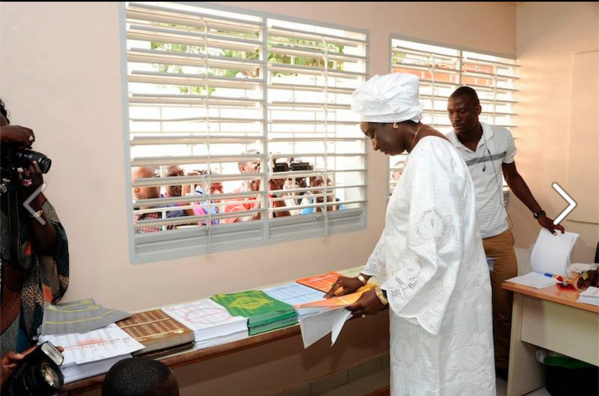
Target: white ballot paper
[(314, 327), (551, 253), (590, 296), (534, 279)]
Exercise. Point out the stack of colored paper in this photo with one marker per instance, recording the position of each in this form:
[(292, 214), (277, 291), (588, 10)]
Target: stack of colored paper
[(263, 312)]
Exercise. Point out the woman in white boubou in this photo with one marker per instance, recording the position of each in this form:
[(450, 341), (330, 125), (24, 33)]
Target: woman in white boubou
[(429, 258)]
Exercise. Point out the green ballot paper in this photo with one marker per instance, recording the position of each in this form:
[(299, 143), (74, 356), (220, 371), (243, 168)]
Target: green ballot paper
[(264, 313)]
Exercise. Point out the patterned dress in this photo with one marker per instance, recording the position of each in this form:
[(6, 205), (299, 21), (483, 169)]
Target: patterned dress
[(431, 261), (28, 283)]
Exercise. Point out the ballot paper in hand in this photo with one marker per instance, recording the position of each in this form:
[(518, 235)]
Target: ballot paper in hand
[(551, 253), (314, 327)]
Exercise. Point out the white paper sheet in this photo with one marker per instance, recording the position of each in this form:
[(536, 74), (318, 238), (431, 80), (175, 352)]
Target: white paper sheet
[(316, 326), (207, 319), (551, 253), (105, 343), (590, 296), (534, 279), (294, 293)]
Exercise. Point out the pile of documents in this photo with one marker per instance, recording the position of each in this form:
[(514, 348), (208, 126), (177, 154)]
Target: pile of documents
[(211, 323), (86, 330), (94, 352), (589, 296), (78, 316), (294, 294), (263, 312)]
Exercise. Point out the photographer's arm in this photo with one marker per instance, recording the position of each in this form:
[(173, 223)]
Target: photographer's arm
[(21, 135)]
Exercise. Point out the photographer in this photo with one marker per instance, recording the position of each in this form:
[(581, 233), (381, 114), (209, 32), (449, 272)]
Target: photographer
[(34, 263)]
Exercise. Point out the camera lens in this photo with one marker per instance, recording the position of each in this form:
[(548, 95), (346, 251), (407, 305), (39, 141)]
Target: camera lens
[(26, 157), (50, 376), (43, 379)]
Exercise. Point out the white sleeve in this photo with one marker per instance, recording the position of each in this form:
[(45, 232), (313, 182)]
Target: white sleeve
[(423, 285), (375, 266), (510, 152)]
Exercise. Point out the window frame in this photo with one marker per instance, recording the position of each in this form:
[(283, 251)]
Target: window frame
[(459, 73), (201, 240)]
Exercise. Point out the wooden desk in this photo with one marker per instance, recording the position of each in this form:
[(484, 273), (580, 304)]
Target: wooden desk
[(552, 319)]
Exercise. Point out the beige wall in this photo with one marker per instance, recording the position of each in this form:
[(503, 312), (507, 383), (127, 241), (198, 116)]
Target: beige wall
[(549, 35), (60, 74)]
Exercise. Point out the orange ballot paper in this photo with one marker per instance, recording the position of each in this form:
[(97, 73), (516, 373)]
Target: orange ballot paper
[(324, 282)]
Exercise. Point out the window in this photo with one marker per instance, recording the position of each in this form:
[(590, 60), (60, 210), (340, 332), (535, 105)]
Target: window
[(240, 129), (442, 70)]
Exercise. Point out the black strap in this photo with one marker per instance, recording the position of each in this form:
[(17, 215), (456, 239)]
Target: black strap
[(15, 229)]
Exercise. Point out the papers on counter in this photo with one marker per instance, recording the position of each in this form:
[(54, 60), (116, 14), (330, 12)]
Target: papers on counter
[(94, 352), (80, 316), (534, 279), (589, 296), (211, 323)]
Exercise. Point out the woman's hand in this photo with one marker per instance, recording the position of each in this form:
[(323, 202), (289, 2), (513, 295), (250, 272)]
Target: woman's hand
[(367, 304), (30, 179), (22, 136), (344, 285)]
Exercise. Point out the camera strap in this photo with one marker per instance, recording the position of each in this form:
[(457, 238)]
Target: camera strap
[(15, 229)]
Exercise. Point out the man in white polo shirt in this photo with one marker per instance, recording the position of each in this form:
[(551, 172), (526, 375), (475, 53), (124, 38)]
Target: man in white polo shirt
[(489, 152)]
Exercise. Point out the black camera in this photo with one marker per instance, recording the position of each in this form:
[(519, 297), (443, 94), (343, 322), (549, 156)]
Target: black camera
[(280, 167), (301, 166), (38, 374), (13, 157)]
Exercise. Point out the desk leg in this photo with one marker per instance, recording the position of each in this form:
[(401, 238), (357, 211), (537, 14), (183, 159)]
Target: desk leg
[(525, 373)]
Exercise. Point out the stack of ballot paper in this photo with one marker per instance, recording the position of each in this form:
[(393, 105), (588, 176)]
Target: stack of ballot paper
[(534, 279), (324, 282), (79, 316), (589, 296), (293, 293), (211, 323), (263, 312), (94, 352), (549, 260)]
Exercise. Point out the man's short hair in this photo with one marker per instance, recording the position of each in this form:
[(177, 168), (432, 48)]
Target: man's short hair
[(140, 377), (466, 91)]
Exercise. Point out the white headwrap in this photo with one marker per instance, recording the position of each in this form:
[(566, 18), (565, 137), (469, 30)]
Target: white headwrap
[(389, 98)]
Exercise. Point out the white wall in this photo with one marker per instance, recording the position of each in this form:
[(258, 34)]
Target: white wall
[(549, 35)]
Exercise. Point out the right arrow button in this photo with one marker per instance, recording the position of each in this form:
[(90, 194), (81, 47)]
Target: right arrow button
[(571, 202)]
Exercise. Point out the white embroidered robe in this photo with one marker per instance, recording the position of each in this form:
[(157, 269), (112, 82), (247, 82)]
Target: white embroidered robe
[(431, 262)]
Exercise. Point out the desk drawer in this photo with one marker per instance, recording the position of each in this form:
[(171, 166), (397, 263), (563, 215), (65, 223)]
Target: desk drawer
[(560, 328)]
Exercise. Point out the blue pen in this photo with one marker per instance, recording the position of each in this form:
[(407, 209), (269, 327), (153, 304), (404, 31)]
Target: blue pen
[(564, 281)]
